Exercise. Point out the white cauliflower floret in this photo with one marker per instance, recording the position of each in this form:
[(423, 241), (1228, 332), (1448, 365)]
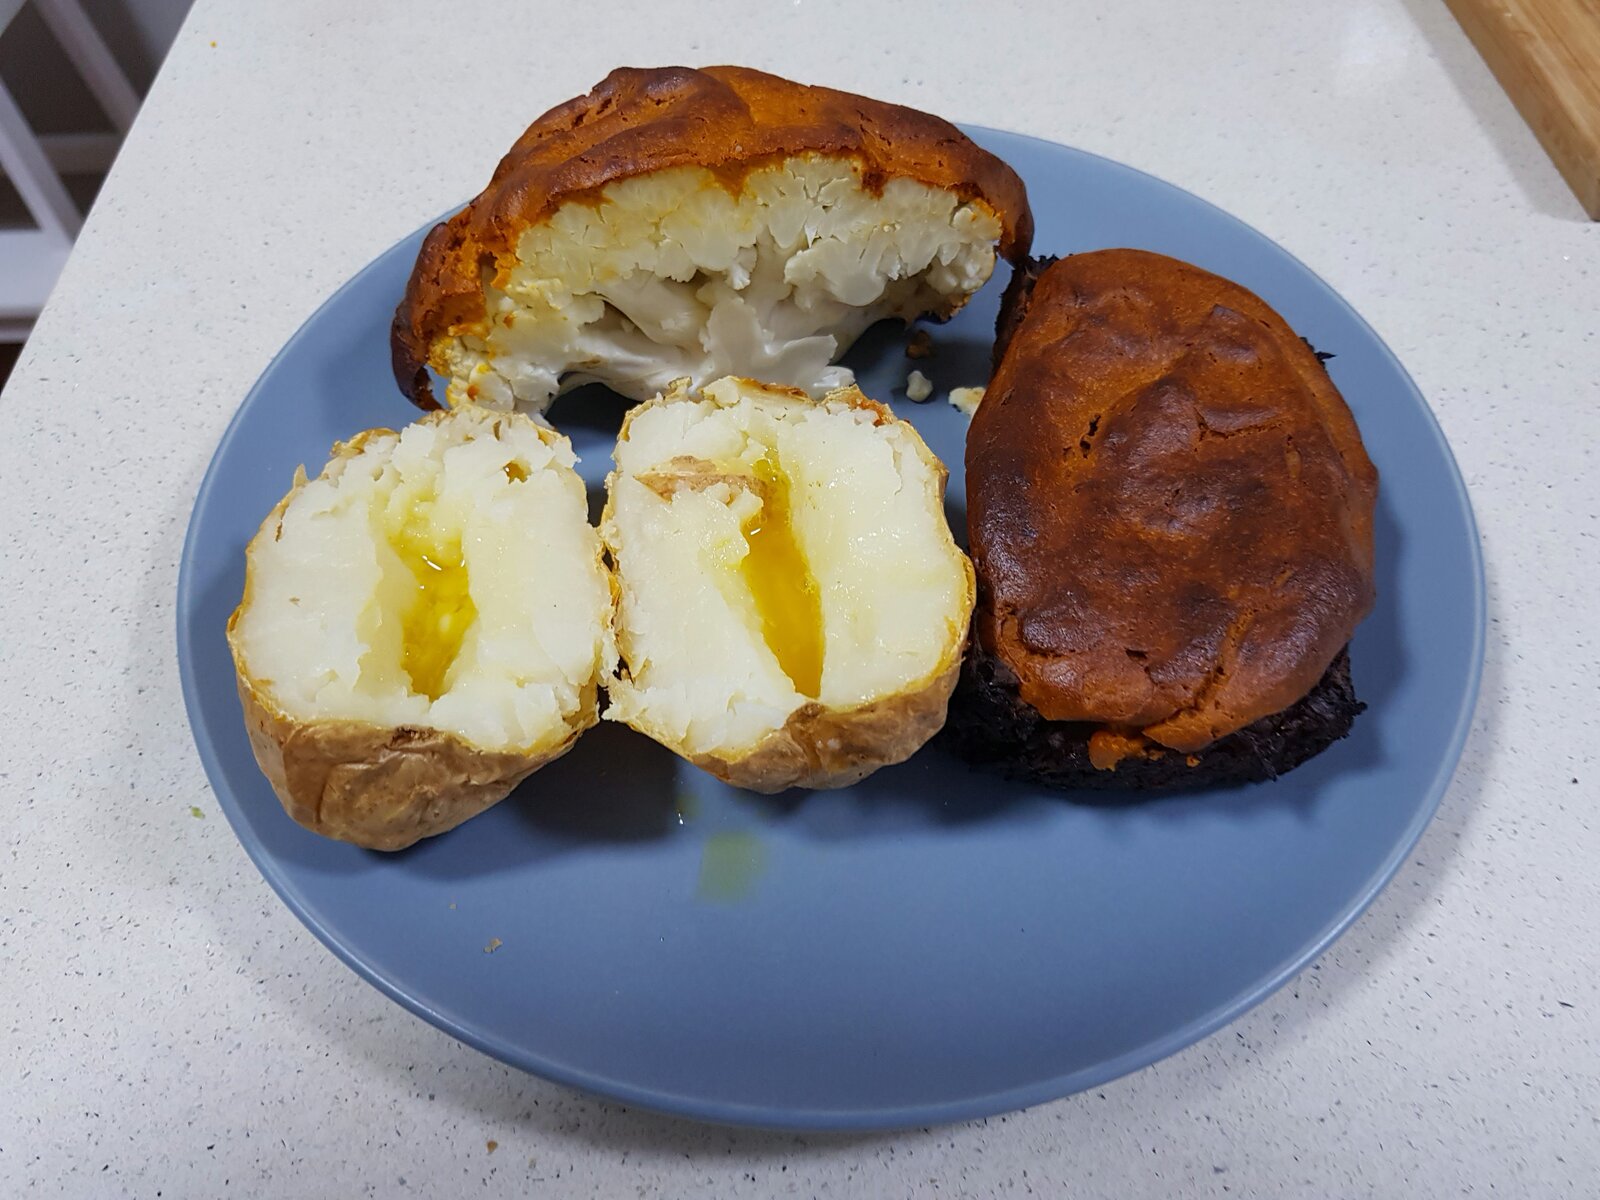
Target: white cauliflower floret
[(671, 276), (966, 400)]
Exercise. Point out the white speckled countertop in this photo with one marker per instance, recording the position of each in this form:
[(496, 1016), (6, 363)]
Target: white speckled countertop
[(171, 1030)]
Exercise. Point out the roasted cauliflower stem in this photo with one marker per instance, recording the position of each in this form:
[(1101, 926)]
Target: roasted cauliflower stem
[(792, 608), (677, 223), (423, 624)]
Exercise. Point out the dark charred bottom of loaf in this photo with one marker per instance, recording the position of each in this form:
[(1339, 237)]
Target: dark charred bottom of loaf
[(990, 725)]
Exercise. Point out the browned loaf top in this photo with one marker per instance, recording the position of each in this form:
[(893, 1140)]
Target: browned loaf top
[(1170, 508), (729, 120)]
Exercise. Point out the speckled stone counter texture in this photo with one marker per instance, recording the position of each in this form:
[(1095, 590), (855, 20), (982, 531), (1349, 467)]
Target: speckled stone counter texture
[(171, 1030)]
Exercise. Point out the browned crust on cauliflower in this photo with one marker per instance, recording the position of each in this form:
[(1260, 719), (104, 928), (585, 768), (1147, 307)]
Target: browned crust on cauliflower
[(730, 120)]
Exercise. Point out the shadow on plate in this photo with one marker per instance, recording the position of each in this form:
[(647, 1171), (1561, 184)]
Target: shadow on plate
[(613, 788), (615, 785), (930, 790), (960, 355)]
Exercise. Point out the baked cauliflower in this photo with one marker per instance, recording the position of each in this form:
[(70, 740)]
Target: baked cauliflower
[(694, 224)]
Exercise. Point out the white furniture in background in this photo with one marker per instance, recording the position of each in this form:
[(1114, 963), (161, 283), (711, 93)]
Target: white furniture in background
[(31, 259)]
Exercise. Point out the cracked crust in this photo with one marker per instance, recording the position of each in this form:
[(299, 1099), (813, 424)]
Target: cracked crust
[(730, 120), (1170, 508)]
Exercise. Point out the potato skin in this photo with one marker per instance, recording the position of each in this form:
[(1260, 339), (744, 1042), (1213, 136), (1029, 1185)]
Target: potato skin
[(822, 748), (380, 787)]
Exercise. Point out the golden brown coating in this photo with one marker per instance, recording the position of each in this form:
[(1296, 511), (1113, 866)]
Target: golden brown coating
[(1170, 508), (729, 120)]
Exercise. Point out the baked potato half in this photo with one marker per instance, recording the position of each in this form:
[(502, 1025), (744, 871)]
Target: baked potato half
[(791, 606), (423, 625)]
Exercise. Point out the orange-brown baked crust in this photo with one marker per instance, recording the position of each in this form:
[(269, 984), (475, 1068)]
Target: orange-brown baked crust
[(1169, 505), (635, 121)]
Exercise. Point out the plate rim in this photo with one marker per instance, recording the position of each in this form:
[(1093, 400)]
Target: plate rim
[(905, 1116)]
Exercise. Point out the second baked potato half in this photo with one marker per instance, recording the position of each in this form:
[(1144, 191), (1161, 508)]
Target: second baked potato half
[(792, 607)]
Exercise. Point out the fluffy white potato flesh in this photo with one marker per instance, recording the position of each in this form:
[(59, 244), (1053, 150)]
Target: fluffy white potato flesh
[(777, 555), (445, 578), (673, 275)]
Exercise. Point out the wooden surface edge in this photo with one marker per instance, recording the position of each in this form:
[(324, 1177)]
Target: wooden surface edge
[(1540, 52)]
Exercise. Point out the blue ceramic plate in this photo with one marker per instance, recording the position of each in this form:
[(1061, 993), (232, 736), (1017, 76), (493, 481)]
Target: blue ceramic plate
[(930, 945)]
